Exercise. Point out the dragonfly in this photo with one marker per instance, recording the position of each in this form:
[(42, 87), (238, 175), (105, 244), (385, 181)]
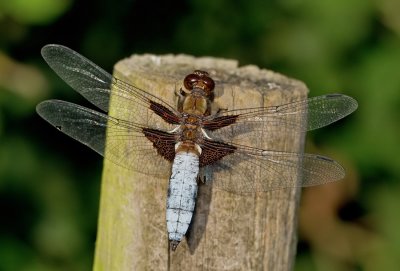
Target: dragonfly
[(188, 140)]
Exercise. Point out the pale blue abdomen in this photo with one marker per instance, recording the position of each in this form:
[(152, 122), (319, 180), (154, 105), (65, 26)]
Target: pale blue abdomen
[(182, 194)]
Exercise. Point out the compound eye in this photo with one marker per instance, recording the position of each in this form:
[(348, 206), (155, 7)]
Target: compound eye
[(190, 80), (209, 83)]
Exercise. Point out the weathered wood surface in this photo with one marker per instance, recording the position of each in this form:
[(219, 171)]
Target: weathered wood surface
[(229, 231)]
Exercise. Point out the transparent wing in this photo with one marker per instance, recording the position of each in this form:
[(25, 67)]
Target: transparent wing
[(319, 112), (250, 170), (126, 142), (95, 84), (253, 168)]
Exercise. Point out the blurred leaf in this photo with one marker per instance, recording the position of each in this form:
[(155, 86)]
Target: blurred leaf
[(34, 11), (14, 254), (390, 10), (384, 203), (304, 263), (1, 123), (377, 129), (24, 83)]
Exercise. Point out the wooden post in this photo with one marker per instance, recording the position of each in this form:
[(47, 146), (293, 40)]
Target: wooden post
[(229, 231)]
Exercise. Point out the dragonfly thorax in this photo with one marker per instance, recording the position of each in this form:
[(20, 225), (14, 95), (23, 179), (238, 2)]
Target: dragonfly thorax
[(196, 104), (191, 129), (191, 133)]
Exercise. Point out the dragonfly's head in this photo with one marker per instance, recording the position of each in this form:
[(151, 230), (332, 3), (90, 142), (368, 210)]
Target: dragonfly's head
[(200, 80)]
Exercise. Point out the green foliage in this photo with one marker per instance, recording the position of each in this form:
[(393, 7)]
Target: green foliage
[(34, 11)]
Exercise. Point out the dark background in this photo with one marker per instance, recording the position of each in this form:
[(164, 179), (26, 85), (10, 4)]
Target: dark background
[(50, 184)]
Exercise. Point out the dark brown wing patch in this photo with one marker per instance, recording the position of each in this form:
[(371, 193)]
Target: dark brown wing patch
[(164, 112), (212, 151), (164, 142), (219, 122)]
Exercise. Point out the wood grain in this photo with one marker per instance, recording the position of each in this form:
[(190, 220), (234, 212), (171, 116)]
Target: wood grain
[(229, 231)]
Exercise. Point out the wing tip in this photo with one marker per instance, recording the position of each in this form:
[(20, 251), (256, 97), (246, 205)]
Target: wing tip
[(49, 49), (339, 169), (40, 107), (353, 104)]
